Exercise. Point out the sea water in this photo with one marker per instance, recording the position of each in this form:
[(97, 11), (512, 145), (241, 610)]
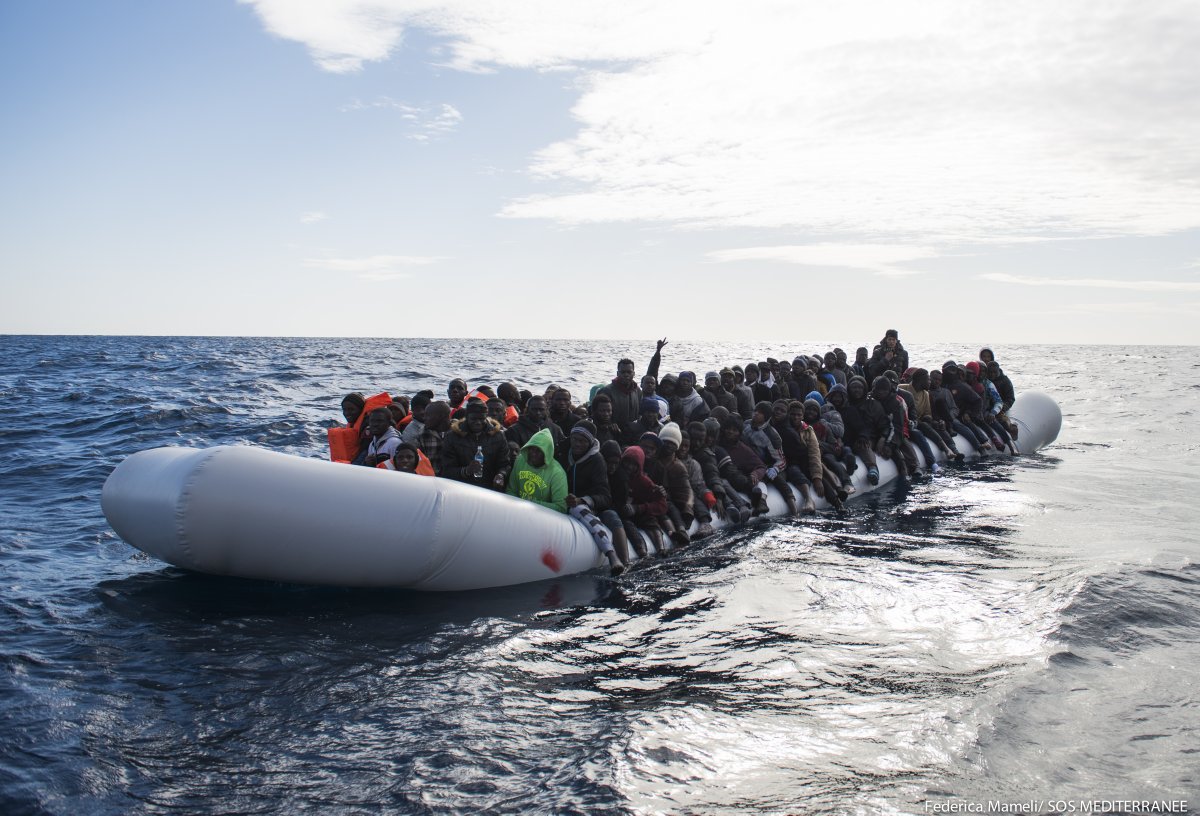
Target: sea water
[(1023, 631)]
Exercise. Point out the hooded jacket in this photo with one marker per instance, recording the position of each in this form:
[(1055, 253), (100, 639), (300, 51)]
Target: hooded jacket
[(385, 445), (921, 408), (865, 418), (459, 446), (546, 485), (587, 478), (831, 416), (643, 493)]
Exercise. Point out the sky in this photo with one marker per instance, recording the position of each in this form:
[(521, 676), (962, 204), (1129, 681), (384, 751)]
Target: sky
[(1021, 172)]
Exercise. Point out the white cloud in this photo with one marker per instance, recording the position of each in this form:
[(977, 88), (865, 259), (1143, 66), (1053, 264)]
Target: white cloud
[(1096, 283), (340, 36), (312, 217), (939, 122), (374, 267), (424, 122), (882, 259)]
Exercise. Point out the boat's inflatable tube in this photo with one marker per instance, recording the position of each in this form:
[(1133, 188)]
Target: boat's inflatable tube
[(253, 513)]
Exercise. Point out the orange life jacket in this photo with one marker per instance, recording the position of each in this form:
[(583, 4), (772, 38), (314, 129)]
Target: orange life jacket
[(344, 443), (424, 466)]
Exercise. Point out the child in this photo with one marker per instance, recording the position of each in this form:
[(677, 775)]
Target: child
[(407, 459)]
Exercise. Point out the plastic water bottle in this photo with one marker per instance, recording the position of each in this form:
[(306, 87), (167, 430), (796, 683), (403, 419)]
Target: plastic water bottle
[(479, 460)]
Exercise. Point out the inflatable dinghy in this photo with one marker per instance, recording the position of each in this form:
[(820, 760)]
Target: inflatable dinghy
[(253, 513)]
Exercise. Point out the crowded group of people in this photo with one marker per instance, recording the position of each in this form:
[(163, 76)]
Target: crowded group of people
[(657, 454)]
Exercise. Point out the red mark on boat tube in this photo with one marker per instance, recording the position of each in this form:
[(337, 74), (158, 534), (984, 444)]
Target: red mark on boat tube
[(550, 559)]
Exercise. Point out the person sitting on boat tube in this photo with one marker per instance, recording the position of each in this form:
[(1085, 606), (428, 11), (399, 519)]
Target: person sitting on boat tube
[(536, 476), (474, 435), (645, 502), (589, 497)]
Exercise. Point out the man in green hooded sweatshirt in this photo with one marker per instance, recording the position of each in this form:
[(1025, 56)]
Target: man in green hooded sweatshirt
[(536, 476)]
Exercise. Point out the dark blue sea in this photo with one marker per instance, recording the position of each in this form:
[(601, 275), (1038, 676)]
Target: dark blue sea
[(1015, 631)]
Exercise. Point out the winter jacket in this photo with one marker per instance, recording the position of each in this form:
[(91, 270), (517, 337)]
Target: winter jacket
[(879, 364), (587, 478), (458, 452), (866, 420)]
